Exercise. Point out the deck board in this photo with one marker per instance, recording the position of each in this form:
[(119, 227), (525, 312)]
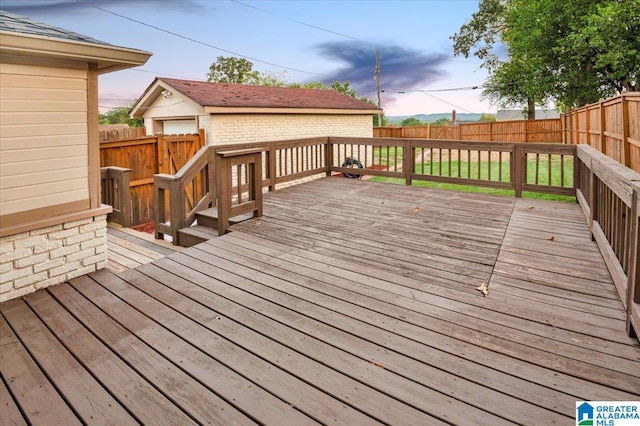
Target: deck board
[(128, 248), (348, 302)]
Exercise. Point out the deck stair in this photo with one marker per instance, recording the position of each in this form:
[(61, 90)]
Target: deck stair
[(206, 227)]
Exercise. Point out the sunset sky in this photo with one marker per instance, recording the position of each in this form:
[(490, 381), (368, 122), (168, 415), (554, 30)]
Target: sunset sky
[(299, 40)]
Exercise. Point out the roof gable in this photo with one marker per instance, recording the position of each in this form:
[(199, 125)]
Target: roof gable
[(245, 96)]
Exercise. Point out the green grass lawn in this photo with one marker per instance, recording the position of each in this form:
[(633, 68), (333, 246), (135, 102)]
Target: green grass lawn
[(386, 156), (503, 176)]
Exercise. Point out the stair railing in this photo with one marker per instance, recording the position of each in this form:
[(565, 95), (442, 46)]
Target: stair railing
[(190, 190)]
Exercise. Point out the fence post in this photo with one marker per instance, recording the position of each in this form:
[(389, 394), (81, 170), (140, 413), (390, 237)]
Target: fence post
[(163, 155), (603, 122), (626, 145)]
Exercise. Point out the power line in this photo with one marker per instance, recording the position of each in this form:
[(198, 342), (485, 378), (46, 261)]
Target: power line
[(162, 73), (453, 89), (433, 96), (297, 21), (196, 41)]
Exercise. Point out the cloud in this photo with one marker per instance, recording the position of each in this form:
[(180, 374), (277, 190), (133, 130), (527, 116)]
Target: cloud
[(400, 68), (51, 7)]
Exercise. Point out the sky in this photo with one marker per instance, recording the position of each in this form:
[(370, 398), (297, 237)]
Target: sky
[(301, 41)]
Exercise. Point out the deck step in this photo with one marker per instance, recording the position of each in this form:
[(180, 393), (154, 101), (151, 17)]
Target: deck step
[(196, 234), (209, 217), (206, 228)]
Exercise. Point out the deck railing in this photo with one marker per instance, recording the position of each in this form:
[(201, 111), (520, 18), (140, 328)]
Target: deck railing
[(609, 194), (189, 191), (520, 167), (607, 191), (114, 182), (515, 166)]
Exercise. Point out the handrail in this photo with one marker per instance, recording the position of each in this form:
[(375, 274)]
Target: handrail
[(195, 178), (609, 194), (115, 182)]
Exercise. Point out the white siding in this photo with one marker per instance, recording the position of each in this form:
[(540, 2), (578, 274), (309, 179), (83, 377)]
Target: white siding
[(239, 128), (43, 137)]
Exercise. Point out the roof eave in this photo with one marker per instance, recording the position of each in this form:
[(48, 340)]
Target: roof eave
[(258, 110), (108, 58)]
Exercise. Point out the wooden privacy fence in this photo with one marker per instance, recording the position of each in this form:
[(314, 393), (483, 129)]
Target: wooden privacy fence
[(146, 156), (109, 135), (611, 126), (521, 131)]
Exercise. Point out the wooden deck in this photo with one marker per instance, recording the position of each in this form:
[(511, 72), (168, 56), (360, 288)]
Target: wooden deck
[(349, 302), (128, 248)]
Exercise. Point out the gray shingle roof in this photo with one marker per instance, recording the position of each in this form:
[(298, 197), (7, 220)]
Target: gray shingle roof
[(21, 24)]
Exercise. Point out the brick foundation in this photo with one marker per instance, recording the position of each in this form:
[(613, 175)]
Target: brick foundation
[(42, 257)]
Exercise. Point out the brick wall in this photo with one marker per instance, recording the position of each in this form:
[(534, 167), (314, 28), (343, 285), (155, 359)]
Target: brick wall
[(239, 128), (36, 259)]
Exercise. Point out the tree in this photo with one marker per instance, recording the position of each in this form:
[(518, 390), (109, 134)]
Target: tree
[(442, 122), (571, 51), (411, 122), (240, 71), (120, 115), (231, 70), (487, 117)]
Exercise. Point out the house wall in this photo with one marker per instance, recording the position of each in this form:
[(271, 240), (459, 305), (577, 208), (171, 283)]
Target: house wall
[(52, 226), (239, 128), (47, 256), (43, 135)]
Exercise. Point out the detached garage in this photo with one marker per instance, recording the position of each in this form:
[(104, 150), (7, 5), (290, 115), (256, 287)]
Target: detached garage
[(233, 113)]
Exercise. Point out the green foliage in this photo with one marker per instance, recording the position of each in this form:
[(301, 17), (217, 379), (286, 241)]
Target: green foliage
[(344, 87), (120, 115), (442, 122), (572, 51), (487, 117), (240, 71), (411, 122)]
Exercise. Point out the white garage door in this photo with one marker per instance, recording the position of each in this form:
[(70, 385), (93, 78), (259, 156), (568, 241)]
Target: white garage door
[(179, 127)]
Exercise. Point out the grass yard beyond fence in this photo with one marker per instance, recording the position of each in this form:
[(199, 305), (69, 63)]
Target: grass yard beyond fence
[(538, 172)]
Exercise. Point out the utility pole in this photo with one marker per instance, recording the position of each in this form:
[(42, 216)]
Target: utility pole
[(377, 78)]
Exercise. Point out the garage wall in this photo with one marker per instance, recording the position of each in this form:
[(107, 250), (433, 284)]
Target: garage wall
[(239, 128)]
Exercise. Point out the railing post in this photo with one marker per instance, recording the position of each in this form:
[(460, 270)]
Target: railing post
[(159, 211), (177, 209), (328, 156), (633, 284), (517, 169), (408, 160), (593, 197), (271, 166), (124, 196)]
